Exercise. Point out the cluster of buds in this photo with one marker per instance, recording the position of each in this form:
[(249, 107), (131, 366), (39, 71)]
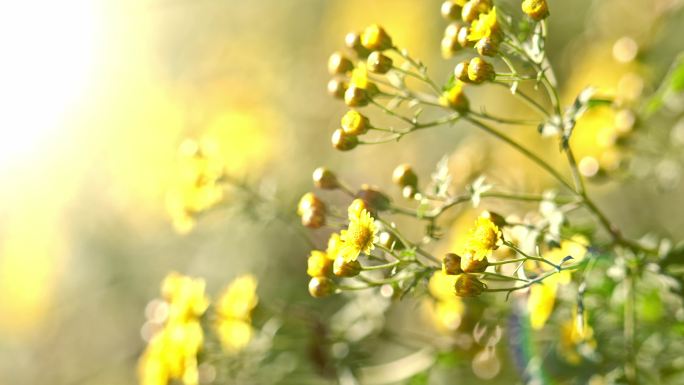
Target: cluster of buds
[(350, 81), (475, 70), (473, 23), (352, 124), (311, 209), (467, 284), (324, 266)]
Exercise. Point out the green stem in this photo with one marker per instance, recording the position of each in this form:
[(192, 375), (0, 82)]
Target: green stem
[(506, 277), (507, 261), (380, 267), (533, 258), (540, 162), (420, 68), (484, 115)]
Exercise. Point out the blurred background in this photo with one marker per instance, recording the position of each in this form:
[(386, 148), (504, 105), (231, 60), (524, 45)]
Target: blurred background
[(96, 96)]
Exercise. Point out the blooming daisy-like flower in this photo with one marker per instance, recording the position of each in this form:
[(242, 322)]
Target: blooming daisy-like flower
[(483, 239), (359, 236), (485, 26)]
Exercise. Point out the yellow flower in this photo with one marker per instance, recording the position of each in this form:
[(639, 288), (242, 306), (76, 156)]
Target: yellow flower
[(441, 285), (574, 333), (483, 239), (185, 296), (234, 309), (334, 246), (239, 298), (445, 309), (197, 186), (172, 351), (355, 208), (359, 76), (485, 26), (235, 334), (318, 264), (541, 300), (359, 236), (542, 297)]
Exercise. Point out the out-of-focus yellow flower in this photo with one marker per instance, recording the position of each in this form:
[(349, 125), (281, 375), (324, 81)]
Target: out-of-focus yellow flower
[(484, 238), (575, 332), (486, 25), (318, 264), (172, 351), (234, 310), (197, 186), (542, 297), (441, 286), (334, 246), (444, 309), (185, 296), (359, 76), (235, 334), (541, 300), (239, 298), (359, 236)]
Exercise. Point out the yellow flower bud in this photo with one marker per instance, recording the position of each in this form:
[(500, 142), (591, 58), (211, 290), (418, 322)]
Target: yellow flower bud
[(461, 71), (320, 287), (472, 265), (480, 71), (374, 198), (310, 202), (449, 46), (353, 41), (336, 88), (473, 8), (451, 264), (325, 179), (356, 96), (487, 46), (354, 123), (338, 64), (375, 38), (451, 10), (313, 219), (318, 264), (468, 286), (455, 98), (379, 63), (342, 141), (536, 9), (462, 37), (453, 28), (343, 268), (497, 219), (403, 175), (389, 241)]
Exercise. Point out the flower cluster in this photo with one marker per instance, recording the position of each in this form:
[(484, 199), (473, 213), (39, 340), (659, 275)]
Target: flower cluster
[(176, 335), (171, 353), (198, 184)]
